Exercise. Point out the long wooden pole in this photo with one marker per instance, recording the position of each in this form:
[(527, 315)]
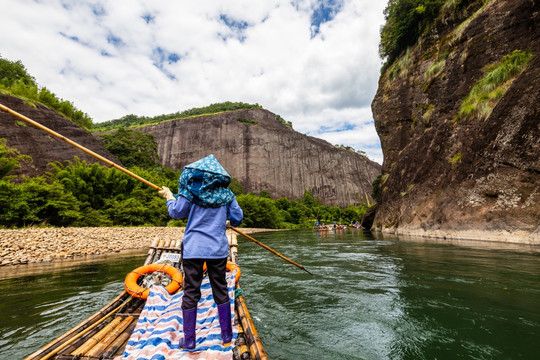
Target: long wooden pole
[(269, 249), (88, 151), (107, 161)]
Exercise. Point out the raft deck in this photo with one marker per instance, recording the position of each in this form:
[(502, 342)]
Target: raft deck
[(105, 334)]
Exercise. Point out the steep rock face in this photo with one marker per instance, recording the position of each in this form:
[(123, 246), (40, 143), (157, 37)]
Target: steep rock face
[(41, 146), (267, 156), (472, 178)]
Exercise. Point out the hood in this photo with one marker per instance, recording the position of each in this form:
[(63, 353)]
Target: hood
[(205, 183)]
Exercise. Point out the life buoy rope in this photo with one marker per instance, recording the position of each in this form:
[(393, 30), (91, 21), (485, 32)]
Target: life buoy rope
[(230, 267), (134, 289)]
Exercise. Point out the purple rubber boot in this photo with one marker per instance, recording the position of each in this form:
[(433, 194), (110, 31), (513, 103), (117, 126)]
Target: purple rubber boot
[(224, 314), (189, 321)]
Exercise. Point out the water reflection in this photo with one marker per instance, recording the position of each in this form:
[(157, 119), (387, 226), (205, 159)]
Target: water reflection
[(40, 302)]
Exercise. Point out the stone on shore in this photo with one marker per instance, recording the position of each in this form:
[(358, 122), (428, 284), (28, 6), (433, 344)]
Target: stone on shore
[(34, 245)]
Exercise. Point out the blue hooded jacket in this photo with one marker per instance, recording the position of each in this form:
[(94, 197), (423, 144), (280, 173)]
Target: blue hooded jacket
[(207, 202)]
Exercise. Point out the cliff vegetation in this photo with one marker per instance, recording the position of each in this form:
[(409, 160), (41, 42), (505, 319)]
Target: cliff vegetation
[(15, 80), (135, 120), (408, 20)]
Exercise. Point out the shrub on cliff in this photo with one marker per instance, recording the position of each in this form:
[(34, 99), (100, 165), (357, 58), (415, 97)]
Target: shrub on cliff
[(10, 159), (407, 20), (498, 77)]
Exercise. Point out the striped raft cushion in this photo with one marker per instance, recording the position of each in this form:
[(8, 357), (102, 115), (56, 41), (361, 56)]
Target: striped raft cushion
[(159, 329)]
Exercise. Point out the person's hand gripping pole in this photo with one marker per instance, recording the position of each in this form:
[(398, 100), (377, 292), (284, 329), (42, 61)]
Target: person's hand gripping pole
[(166, 193)]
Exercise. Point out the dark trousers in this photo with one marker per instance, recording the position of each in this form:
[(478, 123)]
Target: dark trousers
[(193, 269)]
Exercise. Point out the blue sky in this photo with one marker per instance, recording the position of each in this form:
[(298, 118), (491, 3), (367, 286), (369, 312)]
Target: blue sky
[(315, 63)]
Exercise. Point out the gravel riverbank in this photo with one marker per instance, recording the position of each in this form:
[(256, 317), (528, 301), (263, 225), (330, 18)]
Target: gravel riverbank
[(35, 245)]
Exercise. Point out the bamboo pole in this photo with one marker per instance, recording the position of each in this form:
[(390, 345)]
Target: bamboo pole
[(120, 342), (151, 251), (77, 343), (90, 343), (241, 348), (159, 250), (233, 247), (62, 339), (271, 250), (110, 337), (80, 147), (254, 342), (84, 332)]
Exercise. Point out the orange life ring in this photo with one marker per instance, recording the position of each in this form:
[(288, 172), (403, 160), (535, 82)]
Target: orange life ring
[(136, 290), (231, 267)]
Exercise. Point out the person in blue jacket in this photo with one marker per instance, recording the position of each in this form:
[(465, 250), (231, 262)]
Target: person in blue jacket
[(205, 199)]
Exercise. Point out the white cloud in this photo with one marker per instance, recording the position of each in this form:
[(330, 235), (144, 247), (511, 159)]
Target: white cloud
[(113, 58)]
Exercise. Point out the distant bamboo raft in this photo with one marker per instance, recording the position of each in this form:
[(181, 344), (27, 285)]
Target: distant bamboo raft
[(105, 334)]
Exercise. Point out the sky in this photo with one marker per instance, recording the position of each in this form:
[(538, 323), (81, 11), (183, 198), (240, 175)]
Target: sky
[(314, 63)]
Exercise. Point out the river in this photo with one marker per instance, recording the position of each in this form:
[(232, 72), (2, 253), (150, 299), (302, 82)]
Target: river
[(371, 297)]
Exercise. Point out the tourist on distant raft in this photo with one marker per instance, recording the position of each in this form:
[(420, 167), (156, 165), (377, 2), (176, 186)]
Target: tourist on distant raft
[(205, 197)]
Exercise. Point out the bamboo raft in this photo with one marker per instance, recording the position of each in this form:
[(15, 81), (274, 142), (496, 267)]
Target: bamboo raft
[(105, 334)]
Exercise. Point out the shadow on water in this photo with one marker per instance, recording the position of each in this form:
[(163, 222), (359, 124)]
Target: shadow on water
[(370, 298)]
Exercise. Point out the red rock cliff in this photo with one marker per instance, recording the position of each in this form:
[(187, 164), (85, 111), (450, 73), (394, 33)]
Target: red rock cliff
[(267, 156), (42, 147), (476, 177)]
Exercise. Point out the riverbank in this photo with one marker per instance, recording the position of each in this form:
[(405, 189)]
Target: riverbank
[(35, 245), (499, 236)]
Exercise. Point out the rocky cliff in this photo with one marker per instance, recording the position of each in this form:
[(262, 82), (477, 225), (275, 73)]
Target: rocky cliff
[(264, 154), (42, 147), (450, 171)]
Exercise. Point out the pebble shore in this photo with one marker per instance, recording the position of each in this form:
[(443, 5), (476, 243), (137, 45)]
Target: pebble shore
[(35, 245)]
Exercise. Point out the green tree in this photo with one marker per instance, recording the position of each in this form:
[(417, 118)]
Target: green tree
[(130, 211), (134, 120), (132, 147), (406, 20), (259, 212), (286, 216), (236, 187), (308, 199), (36, 202), (13, 71), (283, 203), (350, 214)]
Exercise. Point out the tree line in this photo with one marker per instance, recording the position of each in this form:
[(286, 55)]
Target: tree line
[(134, 120), (15, 80), (77, 193)]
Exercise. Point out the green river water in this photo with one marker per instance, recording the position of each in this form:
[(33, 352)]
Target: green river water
[(370, 297)]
